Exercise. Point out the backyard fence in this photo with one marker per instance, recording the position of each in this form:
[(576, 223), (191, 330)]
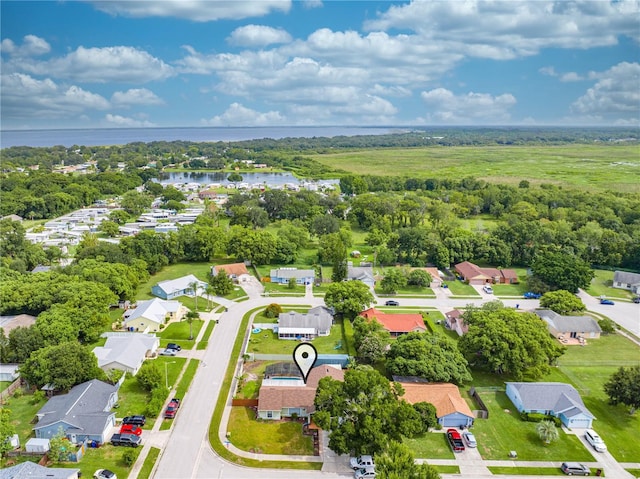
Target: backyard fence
[(244, 402), (10, 390), (483, 413)]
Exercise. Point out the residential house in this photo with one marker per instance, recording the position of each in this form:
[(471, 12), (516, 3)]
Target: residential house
[(473, 274), (556, 399), (316, 322), (149, 314), (82, 413), (209, 194), (12, 218), (126, 351), (9, 372), (236, 271), (31, 470), (397, 324), (12, 322), (628, 281), (173, 288), (451, 409), (455, 322), (277, 402), (284, 275), (509, 276), (436, 279), (361, 273), (569, 326)]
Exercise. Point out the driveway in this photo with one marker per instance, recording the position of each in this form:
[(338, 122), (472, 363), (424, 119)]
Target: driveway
[(626, 314)]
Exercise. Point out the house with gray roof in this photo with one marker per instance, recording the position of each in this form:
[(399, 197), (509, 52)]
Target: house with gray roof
[(361, 273), (31, 470), (556, 399), (569, 326), (126, 351), (626, 280), (283, 275), (172, 288), (83, 413), (316, 322), (149, 315)]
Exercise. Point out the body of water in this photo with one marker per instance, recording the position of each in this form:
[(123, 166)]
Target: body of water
[(122, 136), (266, 178)]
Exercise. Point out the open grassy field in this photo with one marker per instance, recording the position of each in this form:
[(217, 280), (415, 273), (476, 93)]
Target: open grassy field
[(601, 166), (432, 445)]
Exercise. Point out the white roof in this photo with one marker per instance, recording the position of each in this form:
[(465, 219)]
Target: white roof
[(154, 310), (127, 350), (179, 284)]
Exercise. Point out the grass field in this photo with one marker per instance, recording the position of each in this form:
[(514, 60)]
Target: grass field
[(23, 411), (527, 471), (267, 342), (458, 288), (601, 286), (97, 458), (179, 333), (432, 445), (600, 166)]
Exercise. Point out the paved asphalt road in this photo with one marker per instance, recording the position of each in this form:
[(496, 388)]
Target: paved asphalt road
[(188, 454)]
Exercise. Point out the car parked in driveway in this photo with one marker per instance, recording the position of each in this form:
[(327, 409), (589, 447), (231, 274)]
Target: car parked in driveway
[(595, 440), (168, 352), (360, 462), (136, 420), (175, 346), (125, 440), (469, 439), (487, 289), (130, 429), (575, 468), (391, 302), (104, 474), (455, 441), (365, 473)]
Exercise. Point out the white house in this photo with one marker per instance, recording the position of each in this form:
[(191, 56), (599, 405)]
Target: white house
[(172, 288), (284, 275), (628, 281), (126, 351), (149, 314), (316, 322)]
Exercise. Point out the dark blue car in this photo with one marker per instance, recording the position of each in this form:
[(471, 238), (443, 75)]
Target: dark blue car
[(531, 295), (607, 302)]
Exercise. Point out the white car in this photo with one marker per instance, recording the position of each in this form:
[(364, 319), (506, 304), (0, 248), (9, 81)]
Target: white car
[(487, 289), (361, 462), (104, 474), (595, 440), (366, 473), (168, 352), (469, 439)]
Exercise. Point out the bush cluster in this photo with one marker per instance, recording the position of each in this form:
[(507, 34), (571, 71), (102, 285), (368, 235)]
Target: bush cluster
[(539, 417)]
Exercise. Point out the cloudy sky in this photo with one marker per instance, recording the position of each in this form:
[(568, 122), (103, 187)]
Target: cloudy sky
[(117, 63)]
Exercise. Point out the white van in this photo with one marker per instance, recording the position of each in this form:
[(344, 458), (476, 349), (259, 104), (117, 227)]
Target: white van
[(595, 440)]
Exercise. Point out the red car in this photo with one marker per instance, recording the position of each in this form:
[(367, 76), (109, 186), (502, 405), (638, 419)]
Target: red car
[(172, 408), (455, 440), (130, 429)]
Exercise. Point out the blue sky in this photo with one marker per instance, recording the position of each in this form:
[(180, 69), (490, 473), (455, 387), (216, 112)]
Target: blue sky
[(94, 64)]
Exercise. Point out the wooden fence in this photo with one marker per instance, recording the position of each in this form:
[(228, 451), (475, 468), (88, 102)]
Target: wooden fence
[(10, 390), (483, 413), (244, 402)]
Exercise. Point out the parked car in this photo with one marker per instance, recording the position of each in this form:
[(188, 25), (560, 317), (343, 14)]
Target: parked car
[(532, 295), (469, 439), (175, 346), (104, 474), (636, 299), (607, 302), (595, 440), (172, 408), (136, 420), (455, 441), (126, 440), (365, 473), (361, 462), (168, 352), (391, 302), (487, 289), (571, 468), (130, 429)]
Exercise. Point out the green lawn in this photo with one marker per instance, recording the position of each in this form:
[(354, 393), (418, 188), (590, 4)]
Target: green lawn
[(276, 289), (4, 385), (183, 387), (267, 437), (510, 289), (431, 445), (204, 342), (458, 288), (98, 458), (601, 286), (527, 471), (267, 342), (411, 291), (23, 411), (504, 431), (178, 332), (149, 462)]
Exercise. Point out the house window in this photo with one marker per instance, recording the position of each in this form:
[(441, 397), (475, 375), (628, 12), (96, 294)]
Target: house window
[(270, 414)]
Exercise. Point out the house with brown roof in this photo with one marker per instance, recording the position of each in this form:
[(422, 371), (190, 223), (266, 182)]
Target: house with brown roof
[(276, 400), (455, 322), (236, 271), (436, 280), (509, 276), (397, 324), (451, 409), (209, 194), (473, 274)]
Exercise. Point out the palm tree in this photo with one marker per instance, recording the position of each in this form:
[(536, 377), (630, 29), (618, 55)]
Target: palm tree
[(191, 315), (547, 431), (208, 289), (195, 286)]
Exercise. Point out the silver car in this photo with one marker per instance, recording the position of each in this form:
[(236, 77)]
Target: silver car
[(595, 440), (469, 439)]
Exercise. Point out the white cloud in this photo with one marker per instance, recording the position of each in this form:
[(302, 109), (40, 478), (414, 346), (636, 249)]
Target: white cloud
[(135, 96), (548, 71), (446, 107), (27, 97), (570, 77), (194, 10), (126, 121), (102, 65), (31, 46), (239, 115), (258, 36), (615, 95), (312, 4)]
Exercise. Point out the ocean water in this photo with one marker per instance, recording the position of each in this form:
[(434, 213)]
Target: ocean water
[(122, 136)]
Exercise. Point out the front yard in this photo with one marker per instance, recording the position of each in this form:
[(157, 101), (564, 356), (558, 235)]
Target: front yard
[(178, 332), (432, 445), (458, 288), (601, 286), (267, 437)]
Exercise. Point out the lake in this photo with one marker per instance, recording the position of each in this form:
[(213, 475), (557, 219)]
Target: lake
[(269, 179)]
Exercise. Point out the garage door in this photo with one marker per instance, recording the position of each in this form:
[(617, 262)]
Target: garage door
[(580, 423)]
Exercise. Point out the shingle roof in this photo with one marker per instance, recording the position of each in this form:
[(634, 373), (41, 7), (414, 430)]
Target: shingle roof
[(583, 324), (361, 273), (179, 284), (396, 323), (236, 269), (127, 350), (31, 470), (444, 396), (626, 277), (469, 270), (154, 310), (293, 273), (84, 407), (318, 318), (556, 397)]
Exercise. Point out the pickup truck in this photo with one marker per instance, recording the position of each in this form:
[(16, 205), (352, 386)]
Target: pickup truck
[(455, 440), (126, 440), (172, 408)]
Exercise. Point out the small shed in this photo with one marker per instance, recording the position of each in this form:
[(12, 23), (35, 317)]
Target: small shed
[(37, 445)]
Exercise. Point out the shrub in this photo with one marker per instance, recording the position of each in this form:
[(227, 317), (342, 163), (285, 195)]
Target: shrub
[(154, 406), (129, 457), (607, 326), (539, 417), (37, 396), (273, 310)]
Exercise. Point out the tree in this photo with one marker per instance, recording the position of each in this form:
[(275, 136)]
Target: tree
[(323, 225), (370, 339), (431, 356), (58, 447), (195, 287), (562, 302), (547, 431), (234, 177), (149, 376), (505, 341), (134, 202), (562, 271), (7, 429), (273, 310), (623, 387), (259, 247), (110, 228), (419, 277), (348, 297), (398, 462), (428, 416), (62, 365), (363, 413), (190, 317), (291, 283), (221, 283), (393, 280)]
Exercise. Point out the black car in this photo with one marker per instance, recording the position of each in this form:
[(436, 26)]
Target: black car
[(175, 346), (391, 302), (136, 420), (125, 440), (636, 299)]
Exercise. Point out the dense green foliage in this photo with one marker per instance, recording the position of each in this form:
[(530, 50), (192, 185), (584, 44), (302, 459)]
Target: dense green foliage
[(562, 302), (562, 270), (398, 462), (348, 297), (623, 387), (370, 339)]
